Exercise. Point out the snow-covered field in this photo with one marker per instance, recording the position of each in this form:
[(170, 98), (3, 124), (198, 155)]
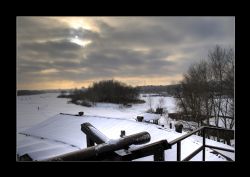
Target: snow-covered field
[(37, 115), (28, 113)]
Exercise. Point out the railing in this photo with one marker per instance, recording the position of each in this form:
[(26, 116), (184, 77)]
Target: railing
[(202, 129), (118, 150), (100, 148)]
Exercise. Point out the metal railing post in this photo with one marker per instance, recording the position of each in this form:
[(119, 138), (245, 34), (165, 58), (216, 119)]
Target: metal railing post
[(204, 143), (179, 151), (89, 141), (159, 155)]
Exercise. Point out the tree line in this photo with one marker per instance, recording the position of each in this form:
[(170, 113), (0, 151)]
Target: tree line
[(109, 91), (207, 89)]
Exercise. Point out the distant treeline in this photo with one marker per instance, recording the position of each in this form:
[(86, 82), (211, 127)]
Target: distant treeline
[(172, 90), (109, 91), (161, 89), (35, 92)]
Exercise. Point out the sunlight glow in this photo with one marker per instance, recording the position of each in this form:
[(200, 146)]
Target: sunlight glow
[(79, 22), (80, 42), (68, 84)]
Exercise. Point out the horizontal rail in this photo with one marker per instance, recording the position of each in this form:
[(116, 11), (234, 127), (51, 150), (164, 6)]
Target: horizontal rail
[(185, 136), (147, 150), (193, 154), (203, 129), (195, 131), (228, 158), (219, 148), (217, 128)]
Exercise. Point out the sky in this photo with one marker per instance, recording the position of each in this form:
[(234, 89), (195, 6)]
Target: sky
[(73, 52)]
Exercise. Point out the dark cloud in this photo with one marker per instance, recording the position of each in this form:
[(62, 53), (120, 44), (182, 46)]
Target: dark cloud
[(35, 28), (119, 60), (122, 47), (53, 49)]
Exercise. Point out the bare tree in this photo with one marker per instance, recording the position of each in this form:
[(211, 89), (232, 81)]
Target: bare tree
[(222, 67), (150, 103), (207, 89), (194, 99), (161, 102)]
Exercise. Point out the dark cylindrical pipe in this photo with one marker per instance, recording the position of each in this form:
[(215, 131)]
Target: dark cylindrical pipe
[(110, 146), (94, 134)]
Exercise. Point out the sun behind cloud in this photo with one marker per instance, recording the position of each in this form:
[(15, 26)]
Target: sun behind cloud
[(80, 42)]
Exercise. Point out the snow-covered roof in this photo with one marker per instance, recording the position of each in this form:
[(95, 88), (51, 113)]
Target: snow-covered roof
[(61, 134)]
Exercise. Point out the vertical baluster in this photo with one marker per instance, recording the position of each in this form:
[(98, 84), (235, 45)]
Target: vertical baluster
[(89, 142), (204, 144), (179, 151), (159, 155)]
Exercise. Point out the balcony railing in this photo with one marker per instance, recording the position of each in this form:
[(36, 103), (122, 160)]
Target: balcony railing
[(99, 147), (203, 130)]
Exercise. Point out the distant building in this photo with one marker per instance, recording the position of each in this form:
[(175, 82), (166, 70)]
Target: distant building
[(149, 118)]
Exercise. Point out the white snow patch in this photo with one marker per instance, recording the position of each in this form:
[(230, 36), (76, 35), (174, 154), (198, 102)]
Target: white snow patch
[(62, 133)]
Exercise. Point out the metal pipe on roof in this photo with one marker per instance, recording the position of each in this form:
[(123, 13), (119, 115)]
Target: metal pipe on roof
[(112, 145)]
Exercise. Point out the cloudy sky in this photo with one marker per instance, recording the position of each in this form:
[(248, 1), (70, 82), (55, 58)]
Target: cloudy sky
[(72, 52)]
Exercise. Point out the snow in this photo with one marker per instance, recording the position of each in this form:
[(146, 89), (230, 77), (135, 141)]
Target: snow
[(52, 134), (67, 129), (42, 149), (149, 116), (29, 115), (99, 134)]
